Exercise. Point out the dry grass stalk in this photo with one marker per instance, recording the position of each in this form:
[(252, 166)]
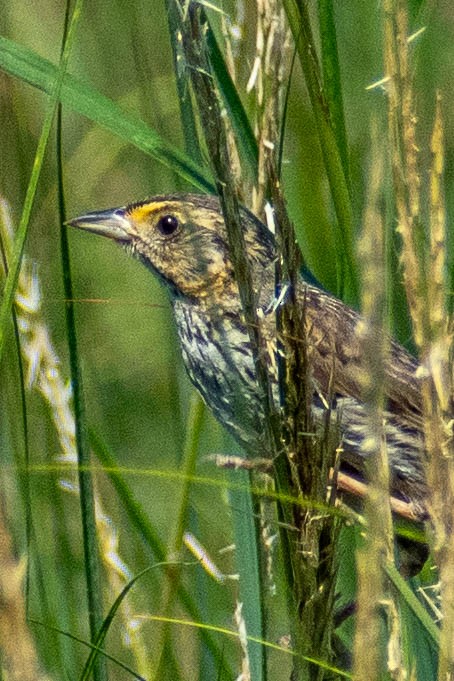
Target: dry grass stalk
[(267, 78), (438, 391), (436, 353), (231, 41), (402, 129), (310, 601), (378, 547), (19, 659), (424, 271), (242, 635)]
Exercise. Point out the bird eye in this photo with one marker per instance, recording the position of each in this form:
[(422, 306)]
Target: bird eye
[(167, 225)]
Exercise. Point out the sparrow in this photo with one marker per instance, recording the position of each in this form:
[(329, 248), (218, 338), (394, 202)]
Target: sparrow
[(182, 239)]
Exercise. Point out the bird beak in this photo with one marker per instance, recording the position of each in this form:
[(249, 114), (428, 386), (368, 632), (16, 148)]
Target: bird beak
[(110, 223)]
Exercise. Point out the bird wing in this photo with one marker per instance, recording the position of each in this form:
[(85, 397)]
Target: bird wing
[(337, 358)]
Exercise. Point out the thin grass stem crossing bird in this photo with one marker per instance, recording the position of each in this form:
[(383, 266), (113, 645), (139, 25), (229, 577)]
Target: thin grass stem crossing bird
[(183, 240)]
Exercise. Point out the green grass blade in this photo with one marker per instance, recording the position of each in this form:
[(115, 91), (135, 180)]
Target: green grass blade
[(89, 666), (117, 662), (298, 18), (418, 649), (191, 447), (86, 491), (332, 79), (413, 604), (11, 282), (149, 536), (237, 115), (188, 464), (248, 566), (54, 85), (25, 64), (188, 121)]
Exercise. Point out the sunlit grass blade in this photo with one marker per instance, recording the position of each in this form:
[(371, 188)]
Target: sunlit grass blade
[(25, 64)]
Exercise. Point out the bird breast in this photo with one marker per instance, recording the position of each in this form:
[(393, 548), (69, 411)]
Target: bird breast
[(217, 354)]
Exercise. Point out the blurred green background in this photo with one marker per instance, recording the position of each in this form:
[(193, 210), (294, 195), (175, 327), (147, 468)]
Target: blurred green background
[(136, 391)]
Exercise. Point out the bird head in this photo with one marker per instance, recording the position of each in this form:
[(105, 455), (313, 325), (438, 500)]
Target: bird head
[(183, 239)]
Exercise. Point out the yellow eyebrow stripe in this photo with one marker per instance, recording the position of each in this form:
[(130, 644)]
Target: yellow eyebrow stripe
[(141, 213)]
